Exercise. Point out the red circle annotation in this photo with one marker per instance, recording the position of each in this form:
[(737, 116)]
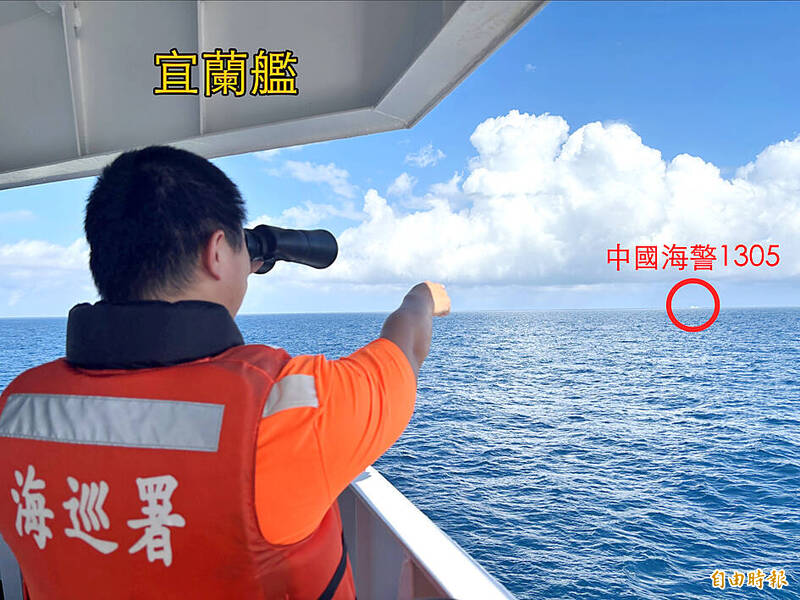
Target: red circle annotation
[(678, 286)]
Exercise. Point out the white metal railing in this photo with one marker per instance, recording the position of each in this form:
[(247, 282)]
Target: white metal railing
[(10, 579), (398, 553)]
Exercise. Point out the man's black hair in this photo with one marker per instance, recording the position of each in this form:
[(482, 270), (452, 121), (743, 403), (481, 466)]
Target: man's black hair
[(148, 217)]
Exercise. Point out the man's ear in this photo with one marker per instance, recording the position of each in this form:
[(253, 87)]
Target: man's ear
[(212, 254)]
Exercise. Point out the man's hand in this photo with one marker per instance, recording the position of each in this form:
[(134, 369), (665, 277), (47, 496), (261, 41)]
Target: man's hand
[(441, 301), (410, 325), (430, 295)]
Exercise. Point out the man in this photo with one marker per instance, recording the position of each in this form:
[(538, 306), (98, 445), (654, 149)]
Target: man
[(163, 457)]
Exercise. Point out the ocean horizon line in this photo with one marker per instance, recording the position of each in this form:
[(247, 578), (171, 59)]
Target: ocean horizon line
[(472, 311)]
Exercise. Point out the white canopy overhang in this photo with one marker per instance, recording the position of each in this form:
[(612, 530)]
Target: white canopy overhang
[(78, 78)]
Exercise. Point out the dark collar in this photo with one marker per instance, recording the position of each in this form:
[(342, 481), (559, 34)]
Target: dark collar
[(147, 333)]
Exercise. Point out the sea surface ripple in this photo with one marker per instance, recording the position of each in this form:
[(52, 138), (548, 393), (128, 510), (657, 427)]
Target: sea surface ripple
[(582, 454)]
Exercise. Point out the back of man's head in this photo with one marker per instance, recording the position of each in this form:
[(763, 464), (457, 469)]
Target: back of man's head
[(148, 217)]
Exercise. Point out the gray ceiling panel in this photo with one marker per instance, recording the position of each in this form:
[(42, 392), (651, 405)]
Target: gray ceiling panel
[(84, 74), (16, 10), (36, 116), (118, 74)]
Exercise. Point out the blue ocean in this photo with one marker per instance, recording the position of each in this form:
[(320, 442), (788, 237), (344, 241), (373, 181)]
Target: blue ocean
[(582, 454)]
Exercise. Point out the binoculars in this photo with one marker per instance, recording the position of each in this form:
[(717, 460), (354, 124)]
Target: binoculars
[(316, 248)]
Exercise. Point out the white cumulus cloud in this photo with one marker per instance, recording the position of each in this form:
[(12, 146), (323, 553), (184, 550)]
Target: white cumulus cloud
[(402, 186), (308, 215), (15, 216), (330, 174), (425, 157), (34, 273), (540, 205), (40, 255)]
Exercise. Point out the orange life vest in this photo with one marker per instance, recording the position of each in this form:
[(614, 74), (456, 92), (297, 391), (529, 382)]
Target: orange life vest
[(139, 483)]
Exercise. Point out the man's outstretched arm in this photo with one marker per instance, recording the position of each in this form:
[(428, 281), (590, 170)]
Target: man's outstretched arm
[(361, 404), (410, 325)]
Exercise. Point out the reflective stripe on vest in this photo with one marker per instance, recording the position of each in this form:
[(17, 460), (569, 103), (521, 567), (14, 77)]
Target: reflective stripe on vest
[(145, 480), (113, 421)]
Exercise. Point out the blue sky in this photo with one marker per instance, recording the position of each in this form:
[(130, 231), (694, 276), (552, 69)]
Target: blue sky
[(717, 82)]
